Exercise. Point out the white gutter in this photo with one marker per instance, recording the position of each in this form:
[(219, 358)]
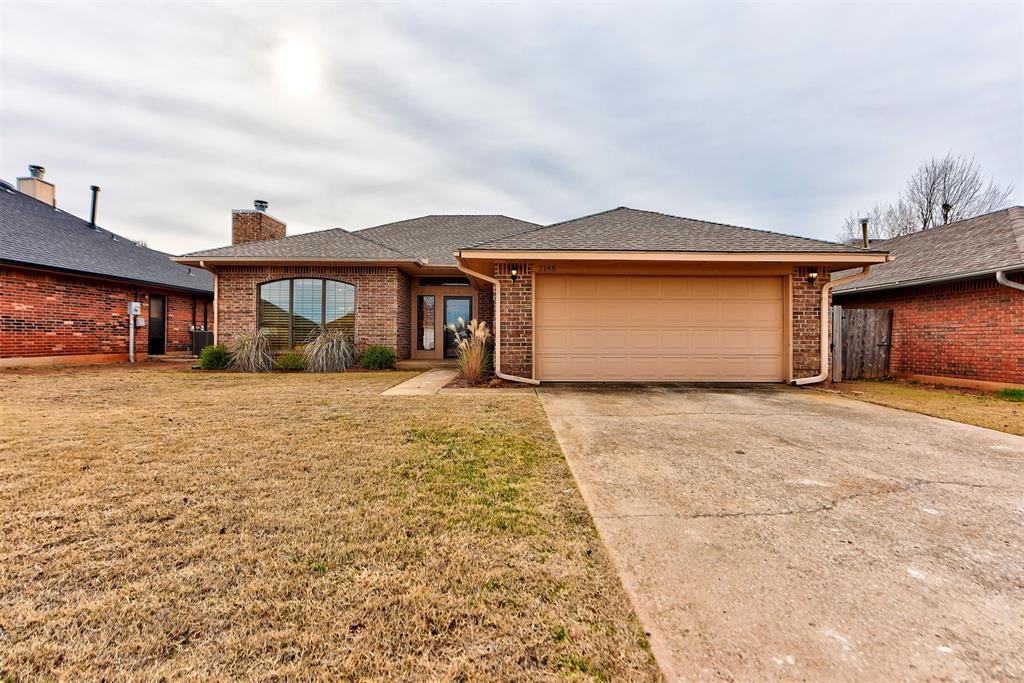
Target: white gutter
[(826, 289), (1006, 282), (497, 323)]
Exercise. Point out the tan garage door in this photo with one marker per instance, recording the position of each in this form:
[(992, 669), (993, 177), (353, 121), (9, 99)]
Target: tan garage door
[(635, 328)]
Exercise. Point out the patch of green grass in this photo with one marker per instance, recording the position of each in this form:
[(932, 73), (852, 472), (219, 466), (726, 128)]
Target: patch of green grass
[(571, 666), (559, 634), (480, 473), (1011, 394)]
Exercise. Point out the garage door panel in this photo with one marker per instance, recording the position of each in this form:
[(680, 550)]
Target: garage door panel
[(636, 328)]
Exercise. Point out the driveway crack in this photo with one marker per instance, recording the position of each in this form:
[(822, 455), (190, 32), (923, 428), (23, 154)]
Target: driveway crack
[(828, 505)]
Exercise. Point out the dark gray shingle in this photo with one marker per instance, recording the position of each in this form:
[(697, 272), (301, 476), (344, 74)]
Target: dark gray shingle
[(35, 233), (973, 246), (326, 244), (435, 238), (625, 229)]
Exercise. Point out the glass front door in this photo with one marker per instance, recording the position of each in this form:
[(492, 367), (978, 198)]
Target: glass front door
[(455, 308), (157, 324)]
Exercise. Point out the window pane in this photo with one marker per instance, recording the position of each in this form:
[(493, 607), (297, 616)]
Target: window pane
[(307, 309), (274, 313), (425, 322), (341, 308)]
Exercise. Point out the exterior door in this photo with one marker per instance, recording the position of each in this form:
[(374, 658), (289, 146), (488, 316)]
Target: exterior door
[(660, 328), (157, 324), (455, 307)]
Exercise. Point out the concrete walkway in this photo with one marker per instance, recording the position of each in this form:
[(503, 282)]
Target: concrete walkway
[(773, 533), (426, 384)]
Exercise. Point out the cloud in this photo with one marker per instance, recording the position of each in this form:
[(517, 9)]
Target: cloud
[(780, 116)]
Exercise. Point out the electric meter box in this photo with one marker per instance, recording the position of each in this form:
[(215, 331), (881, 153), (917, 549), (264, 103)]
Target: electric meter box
[(134, 308)]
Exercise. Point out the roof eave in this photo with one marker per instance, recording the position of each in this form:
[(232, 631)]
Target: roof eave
[(245, 260), (920, 282), (852, 258), (106, 277)]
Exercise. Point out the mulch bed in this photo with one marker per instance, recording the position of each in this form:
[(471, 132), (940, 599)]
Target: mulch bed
[(458, 382)]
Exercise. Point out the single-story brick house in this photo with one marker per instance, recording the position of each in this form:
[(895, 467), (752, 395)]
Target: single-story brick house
[(957, 296), (621, 295), (65, 286)]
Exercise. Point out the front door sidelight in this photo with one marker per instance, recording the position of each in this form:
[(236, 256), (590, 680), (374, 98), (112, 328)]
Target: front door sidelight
[(455, 308)]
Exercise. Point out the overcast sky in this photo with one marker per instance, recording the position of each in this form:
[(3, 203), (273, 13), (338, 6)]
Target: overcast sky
[(786, 117)]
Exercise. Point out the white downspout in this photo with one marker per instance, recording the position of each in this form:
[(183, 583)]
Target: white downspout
[(1006, 282), (497, 323), (826, 290)]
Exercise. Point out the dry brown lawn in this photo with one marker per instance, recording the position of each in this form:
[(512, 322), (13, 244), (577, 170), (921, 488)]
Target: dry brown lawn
[(960, 405), (186, 525)]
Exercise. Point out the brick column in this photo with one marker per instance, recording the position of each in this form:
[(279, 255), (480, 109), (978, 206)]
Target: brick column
[(807, 321), (516, 318)]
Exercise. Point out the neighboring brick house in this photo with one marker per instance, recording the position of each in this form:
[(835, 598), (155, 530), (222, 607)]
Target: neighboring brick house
[(957, 296), (65, 286), (623, 295)]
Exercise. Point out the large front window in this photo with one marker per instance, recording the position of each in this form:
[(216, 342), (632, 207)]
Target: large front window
[(291, 310)]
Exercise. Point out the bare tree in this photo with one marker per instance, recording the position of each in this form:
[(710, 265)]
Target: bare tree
[(940, 191)]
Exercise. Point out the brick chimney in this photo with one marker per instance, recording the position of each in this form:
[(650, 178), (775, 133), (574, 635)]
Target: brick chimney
[(37, 188), (255, 225)]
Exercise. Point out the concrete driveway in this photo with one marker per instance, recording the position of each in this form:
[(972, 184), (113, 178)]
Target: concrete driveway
[(773, 532)]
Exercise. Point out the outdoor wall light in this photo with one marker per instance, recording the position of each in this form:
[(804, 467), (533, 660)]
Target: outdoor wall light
[(515, 272), (812, 277)]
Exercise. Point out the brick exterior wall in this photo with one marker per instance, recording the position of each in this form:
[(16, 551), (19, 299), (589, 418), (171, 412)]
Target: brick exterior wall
[(249, 225), (382, 300), (50, 314), (516, 319), (972, 329), (485, 308), (404, 321), (807, 321)]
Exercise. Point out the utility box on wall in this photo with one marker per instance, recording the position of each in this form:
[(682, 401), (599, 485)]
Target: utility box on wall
[(134, 308)]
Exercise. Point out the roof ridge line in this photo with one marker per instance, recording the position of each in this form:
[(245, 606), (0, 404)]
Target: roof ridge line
[(1017, 226), (545, 227), (741, 227)]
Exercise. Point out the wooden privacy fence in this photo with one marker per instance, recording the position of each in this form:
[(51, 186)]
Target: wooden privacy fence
[(863, 338)]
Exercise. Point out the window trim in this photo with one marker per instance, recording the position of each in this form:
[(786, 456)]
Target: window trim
[(291, 303)]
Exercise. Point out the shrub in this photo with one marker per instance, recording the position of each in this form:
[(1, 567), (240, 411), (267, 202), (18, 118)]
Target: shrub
[(378, 358), (474, 351), (214, 357), (293, 361), (1011, 394), (328, 351), (252, 352)]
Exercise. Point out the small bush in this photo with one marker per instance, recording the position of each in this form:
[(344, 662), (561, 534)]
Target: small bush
[(293, 361), (215, 357), (1011, 394), (378, 358), (474, 352), (328, 350), (253, 352)]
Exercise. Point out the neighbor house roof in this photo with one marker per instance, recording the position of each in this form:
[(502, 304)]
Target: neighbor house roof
[(625, 229), (323, 244), (434, 239), (34, 233), (968, 248)]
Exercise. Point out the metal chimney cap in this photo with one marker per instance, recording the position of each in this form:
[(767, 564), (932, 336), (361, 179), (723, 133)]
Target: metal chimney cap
[(261, 204), (864, 220), (36, 171)]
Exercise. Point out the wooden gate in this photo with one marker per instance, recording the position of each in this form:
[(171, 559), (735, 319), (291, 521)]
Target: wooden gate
[(866, 337)]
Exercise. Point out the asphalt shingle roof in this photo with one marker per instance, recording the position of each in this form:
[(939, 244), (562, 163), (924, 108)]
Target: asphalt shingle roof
[(35, 233), (326, 244), (625, 229), (973, 246), (435, 238)]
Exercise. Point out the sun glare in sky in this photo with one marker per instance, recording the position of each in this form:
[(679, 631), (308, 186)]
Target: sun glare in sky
[(297, 65)]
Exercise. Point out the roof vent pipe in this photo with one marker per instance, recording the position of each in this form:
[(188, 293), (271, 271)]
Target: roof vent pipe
[(864, 232), (95, 200), (261, 205), (36, 171)]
